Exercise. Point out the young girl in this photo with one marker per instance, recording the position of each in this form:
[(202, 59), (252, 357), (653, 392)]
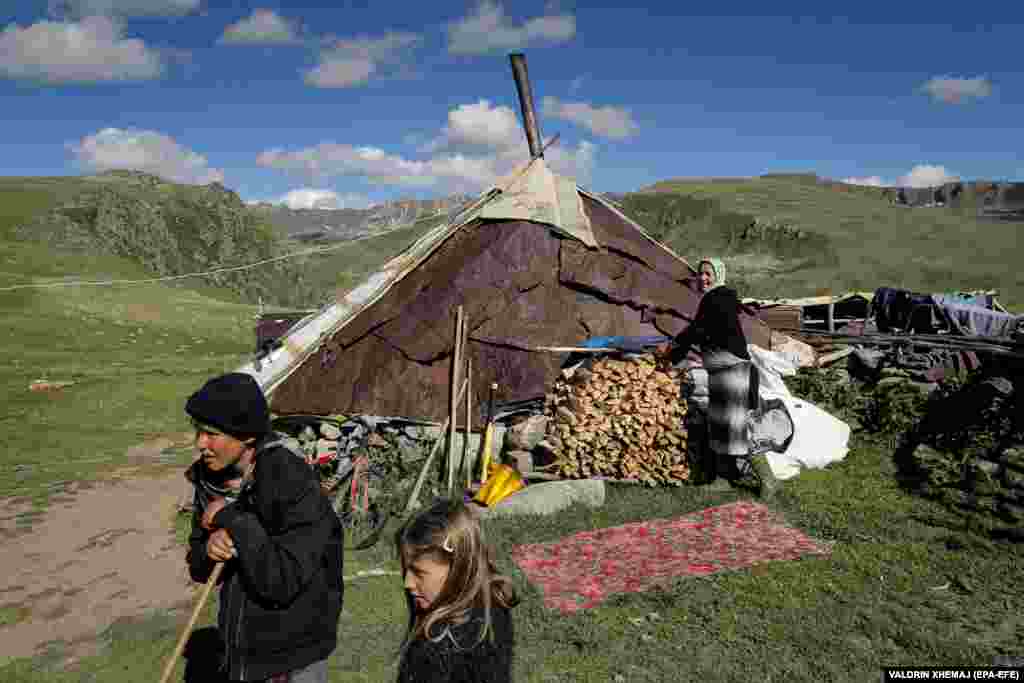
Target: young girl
[(460, 625)]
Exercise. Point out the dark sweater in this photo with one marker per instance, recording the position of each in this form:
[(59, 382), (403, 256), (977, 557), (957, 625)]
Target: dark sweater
[(281, 597), (490, 661), (716, 327)]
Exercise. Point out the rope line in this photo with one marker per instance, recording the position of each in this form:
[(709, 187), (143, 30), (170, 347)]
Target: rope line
[(226, 269)]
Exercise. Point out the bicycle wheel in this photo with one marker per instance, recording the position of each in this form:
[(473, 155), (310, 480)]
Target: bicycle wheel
[(360, 505)]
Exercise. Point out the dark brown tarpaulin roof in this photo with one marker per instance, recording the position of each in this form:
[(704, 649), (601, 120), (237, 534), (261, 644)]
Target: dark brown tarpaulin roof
[(521, 285)]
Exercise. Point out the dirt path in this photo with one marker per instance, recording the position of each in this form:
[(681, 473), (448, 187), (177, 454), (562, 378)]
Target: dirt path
[(102, 551)]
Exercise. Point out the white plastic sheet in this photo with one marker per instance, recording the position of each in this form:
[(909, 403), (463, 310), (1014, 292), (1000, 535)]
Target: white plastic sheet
[(819, 439)]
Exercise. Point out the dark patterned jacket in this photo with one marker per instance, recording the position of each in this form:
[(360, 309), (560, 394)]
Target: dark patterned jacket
[(455, 656)]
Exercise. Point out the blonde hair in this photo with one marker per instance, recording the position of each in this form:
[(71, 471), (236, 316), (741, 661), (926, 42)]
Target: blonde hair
[(449, 532)]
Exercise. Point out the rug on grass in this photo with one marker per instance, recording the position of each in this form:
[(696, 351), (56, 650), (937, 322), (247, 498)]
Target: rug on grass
[(585, 569)]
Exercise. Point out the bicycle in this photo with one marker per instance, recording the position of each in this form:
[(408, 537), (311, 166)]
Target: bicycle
[(354, 483)]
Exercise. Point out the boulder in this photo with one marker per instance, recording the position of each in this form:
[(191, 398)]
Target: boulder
[(528, 433), (549, 497), (521, 460)]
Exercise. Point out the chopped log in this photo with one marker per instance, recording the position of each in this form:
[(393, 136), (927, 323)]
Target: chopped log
[(621, 418)]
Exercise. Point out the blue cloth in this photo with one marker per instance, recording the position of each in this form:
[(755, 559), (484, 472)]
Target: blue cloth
[(983, 300), (621, 343)]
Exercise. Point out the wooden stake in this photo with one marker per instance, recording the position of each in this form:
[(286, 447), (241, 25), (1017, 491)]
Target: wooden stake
[(469, 420), (454, 406), (430, 459)]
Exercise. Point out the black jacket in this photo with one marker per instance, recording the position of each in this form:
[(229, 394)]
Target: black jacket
[(457, 658), (281, 595), (715, 327)]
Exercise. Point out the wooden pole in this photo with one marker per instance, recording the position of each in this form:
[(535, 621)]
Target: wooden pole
[(454, 405), (469, 421), (430, 459), (836, 355), (180, 647)]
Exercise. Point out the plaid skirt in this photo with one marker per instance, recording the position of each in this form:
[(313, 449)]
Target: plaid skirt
[(729, 403)]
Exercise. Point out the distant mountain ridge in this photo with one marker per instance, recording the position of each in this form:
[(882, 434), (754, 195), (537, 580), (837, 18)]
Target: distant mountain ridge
[(332, 225)]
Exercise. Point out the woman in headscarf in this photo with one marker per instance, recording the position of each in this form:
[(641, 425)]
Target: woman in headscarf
[(732, 385)]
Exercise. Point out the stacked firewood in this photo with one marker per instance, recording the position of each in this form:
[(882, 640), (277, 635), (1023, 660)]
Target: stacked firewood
[(619, 418)]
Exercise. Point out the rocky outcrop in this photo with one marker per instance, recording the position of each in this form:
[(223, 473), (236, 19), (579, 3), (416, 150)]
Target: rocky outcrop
[(986, 196)]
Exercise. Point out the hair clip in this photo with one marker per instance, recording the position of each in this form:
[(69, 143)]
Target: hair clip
[(447, 545)]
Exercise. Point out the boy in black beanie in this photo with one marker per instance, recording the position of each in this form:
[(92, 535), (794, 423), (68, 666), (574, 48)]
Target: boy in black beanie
[(258, 507)]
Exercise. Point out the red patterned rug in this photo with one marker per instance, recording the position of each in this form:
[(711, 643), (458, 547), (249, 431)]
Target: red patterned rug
[(583, 570)]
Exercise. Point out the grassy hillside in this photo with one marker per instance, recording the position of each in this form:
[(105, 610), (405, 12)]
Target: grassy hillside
[(845, 238), (169, 229), (133, 352)]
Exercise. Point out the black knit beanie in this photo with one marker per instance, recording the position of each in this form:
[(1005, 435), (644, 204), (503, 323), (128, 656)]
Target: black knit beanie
[(233, 403)]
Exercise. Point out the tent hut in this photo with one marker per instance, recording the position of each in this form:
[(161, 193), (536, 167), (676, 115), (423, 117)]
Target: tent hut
[(535, 262)]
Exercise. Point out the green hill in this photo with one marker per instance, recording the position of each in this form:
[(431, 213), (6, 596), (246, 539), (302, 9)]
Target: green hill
[(167, 228), (792, 235)]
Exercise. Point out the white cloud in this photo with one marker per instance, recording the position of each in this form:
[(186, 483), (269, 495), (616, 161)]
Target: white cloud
[(349, 62), (122, 8), (488, 30), (144, 150), (870, 181), (263, 26), (480, 125), (577, 163), (480, 144), (340, 73), (924, 175), (310, 198), (954, 90), (610, 122), (89, 51)]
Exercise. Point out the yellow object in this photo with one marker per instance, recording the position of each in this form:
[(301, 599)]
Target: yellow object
[(503, 481)]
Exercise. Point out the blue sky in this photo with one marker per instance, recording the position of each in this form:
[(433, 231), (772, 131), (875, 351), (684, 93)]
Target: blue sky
[(345, 104)]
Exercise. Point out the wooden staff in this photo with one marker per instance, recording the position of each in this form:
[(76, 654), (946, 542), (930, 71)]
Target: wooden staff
[(180, 647), (207, 589), (454, 404)]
